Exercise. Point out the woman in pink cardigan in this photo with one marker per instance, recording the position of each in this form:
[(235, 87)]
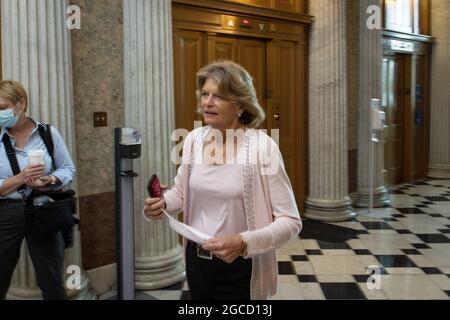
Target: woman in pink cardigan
[(232, 186)]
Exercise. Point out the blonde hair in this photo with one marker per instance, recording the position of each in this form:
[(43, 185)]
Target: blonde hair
[(13, 91), (235, 84)]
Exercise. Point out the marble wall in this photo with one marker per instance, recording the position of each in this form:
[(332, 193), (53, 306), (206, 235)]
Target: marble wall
[(97, 226), (97, 53)]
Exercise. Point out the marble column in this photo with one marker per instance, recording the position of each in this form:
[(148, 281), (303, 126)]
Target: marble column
[(149, 106), (439, 166), (328, 198), (36, 52), (370, 69)]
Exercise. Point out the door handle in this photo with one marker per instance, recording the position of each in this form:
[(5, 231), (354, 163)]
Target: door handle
[(276, 117)]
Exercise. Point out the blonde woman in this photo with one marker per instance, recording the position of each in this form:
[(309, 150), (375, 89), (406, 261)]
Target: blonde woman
[(233, 187), (21, 134)]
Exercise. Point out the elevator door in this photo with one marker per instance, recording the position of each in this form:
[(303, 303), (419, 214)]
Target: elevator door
[(393, 102), (420, 118), (286, 109), (248, 52), (189, 57), (405, 97), (278, 72)]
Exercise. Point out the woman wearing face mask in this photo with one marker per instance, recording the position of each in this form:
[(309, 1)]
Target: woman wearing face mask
[(47, 252)]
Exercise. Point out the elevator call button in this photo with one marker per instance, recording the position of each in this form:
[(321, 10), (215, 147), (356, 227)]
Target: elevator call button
[(246, 24)]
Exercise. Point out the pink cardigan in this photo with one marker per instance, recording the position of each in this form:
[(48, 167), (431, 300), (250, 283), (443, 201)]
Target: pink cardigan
[(271, 211)]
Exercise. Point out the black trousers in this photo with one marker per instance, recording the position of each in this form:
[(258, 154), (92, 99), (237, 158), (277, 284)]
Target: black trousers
[(47, 253), (216, 279)]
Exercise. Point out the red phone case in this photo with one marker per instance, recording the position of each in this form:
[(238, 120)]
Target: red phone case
[(154, 187)]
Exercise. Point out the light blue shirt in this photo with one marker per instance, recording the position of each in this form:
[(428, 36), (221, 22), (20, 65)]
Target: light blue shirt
[(65, 169)]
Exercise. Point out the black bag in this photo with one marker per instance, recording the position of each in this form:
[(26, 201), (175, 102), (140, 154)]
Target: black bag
[(57, 214), (51, 217)]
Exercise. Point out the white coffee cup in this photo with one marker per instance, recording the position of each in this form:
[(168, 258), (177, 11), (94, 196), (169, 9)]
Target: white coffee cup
[(36, 157)]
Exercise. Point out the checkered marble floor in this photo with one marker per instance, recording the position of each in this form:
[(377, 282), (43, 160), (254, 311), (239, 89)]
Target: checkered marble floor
[(408, 242)]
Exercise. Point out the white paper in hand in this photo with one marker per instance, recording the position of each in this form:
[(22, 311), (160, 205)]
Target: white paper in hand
[(187, 231)]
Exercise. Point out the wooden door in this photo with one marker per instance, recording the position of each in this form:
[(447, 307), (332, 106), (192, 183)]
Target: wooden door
[(393, 102), (286, 109), (278, 78), (189, 57), (252, 56), (222, 48), (279, 73), (420, 117), (406, 99), (249, 53)]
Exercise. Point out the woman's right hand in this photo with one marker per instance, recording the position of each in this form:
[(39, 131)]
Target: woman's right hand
[(31, 173), (153, 208)]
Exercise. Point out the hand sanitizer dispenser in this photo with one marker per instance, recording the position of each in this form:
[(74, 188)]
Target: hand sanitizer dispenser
[(127, 149), (378, 117)]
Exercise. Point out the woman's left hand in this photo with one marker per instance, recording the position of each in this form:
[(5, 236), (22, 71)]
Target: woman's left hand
[(226, 248)]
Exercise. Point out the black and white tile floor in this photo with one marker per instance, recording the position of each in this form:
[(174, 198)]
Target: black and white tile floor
[(409, 242)]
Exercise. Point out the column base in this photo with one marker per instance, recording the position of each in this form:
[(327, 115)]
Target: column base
[(20, 293), (160, 271), (380, 197), (84, 293), (329, 210), (439, 171)]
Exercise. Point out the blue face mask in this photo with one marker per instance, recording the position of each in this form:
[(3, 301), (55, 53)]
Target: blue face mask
[(8, 119)]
